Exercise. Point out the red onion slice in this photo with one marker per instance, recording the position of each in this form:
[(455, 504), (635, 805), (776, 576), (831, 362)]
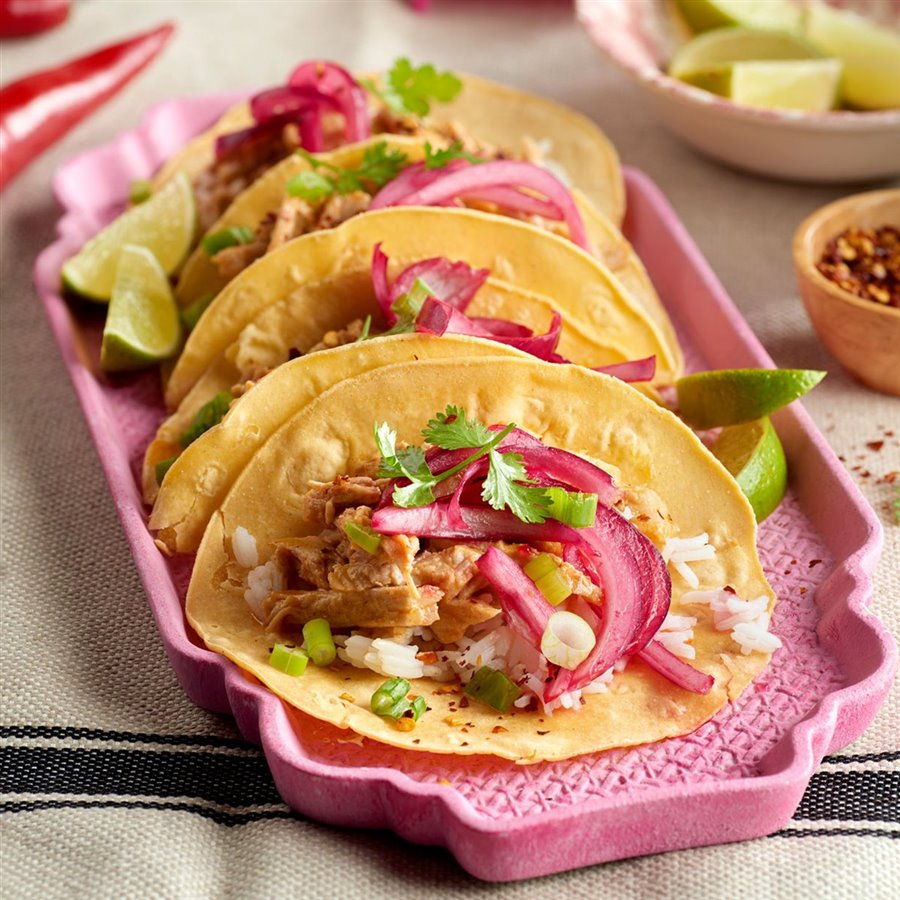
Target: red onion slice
[(636, 596), (524, 606), (471, 180), (336, 82), (289, 101), (411, 179), (454, 283), (481, 523), (511, 198), (227, 143), (380, 283), (676, 670), (632, 370)]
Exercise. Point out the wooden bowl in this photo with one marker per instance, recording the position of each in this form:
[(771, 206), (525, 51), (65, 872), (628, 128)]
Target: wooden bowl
[(864, 336)]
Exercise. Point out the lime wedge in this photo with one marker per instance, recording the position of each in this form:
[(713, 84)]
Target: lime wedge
[(752, 452), (703, 15), (733, 396), (870, 53), (164, 224), (142, 324), (811, 85), (726, 46)]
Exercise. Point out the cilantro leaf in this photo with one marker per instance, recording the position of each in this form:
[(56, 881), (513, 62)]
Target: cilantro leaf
[(408, 89), (437, 159), (415, 494), (377, 167), (451, 430), (380, 165), (502, 488), (386, 442)]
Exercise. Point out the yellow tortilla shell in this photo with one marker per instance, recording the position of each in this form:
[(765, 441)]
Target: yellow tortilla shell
[(199, 480), (569, 407), (491, 112), (200, 277), (332, 269)]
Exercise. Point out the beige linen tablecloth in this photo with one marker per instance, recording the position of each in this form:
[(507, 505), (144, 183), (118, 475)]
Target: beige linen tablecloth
[(87, 693)]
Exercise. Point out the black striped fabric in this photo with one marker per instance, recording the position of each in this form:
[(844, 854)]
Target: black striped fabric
[(227, 780)]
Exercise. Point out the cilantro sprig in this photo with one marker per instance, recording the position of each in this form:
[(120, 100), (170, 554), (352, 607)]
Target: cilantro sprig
[(378, 166), (437, 159), (506, 484), (410, 90)]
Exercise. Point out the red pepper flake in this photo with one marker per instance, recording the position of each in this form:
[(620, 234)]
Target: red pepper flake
[(875, 445), (865, 474), (814, 562), (499, 729), (542, 733), (890, 478), (463, 702), (803, 589)]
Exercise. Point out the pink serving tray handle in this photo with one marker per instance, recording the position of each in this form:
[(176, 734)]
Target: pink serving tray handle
[(496, 818)]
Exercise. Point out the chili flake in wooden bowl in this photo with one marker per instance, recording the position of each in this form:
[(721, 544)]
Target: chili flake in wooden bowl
[(847, 261), (866, 262)]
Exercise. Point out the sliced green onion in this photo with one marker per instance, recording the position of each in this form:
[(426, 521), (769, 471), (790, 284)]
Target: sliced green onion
[(390, 699), (567, 640), (367, 325), (544, 571), (364, 538), (227, 237), (209, 414), (289, 660), (162, 467), (554, 587), (542, 564), (139, 191), (571, 507), (418, 707), (311, 186), (319, 642), (190, 315), (492, 687)]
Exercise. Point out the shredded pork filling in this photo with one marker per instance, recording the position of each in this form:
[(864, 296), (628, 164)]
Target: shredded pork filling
[(406, 582)]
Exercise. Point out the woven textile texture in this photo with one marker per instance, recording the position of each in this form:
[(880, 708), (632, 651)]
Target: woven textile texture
[(114, 784)]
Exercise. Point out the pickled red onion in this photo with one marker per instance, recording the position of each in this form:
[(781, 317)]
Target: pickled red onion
[(502, 179)]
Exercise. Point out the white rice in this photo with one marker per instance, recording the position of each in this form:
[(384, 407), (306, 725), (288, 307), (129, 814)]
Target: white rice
[(244, 546), (747, 620), (261, 581), (676, 633), (681, 551), (382, 656)]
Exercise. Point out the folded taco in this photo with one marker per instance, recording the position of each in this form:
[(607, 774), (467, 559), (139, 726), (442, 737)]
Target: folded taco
[(306, 193), (532, 290), (487, 555), (322, 106)]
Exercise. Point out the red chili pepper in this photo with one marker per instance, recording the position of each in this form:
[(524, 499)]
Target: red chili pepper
[(19, 18), (37, 111)]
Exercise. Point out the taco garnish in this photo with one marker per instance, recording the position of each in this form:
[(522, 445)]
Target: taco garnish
[(442, 590)]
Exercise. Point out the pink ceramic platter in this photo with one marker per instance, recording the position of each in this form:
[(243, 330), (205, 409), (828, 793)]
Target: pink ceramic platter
[(739, 776)]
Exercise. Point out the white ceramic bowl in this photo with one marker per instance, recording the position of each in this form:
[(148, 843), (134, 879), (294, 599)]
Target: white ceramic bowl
[(640, 36)]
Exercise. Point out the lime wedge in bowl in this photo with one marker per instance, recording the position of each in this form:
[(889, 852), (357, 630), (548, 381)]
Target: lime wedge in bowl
[(142, 324), (752, 452), (870, 53), (726, 46), (811, 85), (704, 15), (732, 396), (164, 224)]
